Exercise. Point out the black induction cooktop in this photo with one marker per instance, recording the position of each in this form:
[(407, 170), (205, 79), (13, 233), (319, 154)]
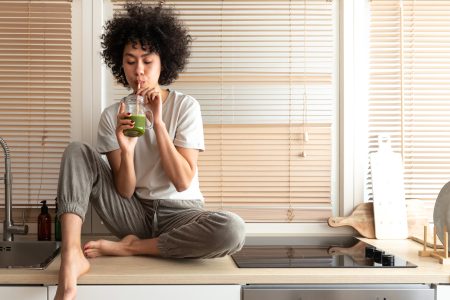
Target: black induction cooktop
[(314, 252)]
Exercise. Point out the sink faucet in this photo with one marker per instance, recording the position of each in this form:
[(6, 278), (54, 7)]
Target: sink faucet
[(9, 229)]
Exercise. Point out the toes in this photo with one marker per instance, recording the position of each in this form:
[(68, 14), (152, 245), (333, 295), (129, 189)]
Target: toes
[(90, 253), (91, 245), (88, 245)]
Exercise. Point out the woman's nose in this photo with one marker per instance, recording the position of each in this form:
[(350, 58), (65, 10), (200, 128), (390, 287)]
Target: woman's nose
[(140, 68)]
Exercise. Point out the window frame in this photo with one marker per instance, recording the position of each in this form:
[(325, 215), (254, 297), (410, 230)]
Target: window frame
[(89, 85)]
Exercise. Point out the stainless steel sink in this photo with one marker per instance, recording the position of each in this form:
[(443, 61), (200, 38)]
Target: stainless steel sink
[(20, 254), (28, 254)]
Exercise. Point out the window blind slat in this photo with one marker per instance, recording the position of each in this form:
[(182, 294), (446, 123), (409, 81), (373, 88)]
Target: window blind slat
[(35, 84), (409, 92), (263, 72)]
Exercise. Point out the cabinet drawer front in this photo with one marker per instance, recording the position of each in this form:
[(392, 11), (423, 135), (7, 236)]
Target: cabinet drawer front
[(332, 293), (23, 292), (163, 292)]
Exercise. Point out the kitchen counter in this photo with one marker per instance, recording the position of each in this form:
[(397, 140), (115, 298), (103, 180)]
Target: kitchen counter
[(150, 270)]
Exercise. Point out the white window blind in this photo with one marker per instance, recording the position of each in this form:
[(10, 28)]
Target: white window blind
[(410, 89), (264, 74), (35, 83)]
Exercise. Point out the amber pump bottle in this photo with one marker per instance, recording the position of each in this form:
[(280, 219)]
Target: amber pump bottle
[(44, 223)]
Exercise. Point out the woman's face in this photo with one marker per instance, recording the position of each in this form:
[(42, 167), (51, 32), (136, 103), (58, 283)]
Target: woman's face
[(141, 67)]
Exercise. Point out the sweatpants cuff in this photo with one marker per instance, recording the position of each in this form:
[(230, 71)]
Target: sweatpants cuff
[(73, 208), (162, 245)]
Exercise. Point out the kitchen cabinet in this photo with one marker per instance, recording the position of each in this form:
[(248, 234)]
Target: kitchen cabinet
[(339, 292), (442, 292), (163, 292), (21, 292)]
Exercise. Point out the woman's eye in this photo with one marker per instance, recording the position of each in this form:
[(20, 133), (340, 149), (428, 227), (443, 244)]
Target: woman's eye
[(130, 62), (147, 62)]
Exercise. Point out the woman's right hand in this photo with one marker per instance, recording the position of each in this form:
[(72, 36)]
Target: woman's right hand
[(126, 143)]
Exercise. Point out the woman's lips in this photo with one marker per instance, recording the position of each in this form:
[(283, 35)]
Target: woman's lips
[(140, 83)]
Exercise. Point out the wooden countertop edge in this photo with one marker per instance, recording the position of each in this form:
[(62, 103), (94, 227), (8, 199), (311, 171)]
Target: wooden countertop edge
[(147, 270), (232, 279), (249, 276)]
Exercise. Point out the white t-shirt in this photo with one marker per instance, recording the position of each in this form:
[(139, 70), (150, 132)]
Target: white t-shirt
[(182, 116)]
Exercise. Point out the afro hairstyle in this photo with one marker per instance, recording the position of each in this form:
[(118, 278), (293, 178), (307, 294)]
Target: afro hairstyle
[(156, 29)]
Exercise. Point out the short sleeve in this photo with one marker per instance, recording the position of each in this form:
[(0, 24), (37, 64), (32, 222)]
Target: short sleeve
[(106, 134), (189, 132)]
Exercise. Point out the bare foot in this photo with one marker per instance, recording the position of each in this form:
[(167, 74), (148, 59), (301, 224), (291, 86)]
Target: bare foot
[(73, 265), (104, 247)]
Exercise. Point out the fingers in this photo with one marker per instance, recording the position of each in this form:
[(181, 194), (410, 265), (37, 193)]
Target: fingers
[(150, 94), (121, 108), (123, 120), (124, 124), (152, 97), (143, 90)]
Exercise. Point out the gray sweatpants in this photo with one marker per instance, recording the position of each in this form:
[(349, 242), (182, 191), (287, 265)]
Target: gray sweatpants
[(184, 228)]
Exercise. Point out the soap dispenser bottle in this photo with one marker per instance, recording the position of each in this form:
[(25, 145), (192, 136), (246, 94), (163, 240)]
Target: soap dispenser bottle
[(44, 223)]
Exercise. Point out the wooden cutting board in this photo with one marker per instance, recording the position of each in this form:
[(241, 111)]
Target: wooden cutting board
[(361, 219)]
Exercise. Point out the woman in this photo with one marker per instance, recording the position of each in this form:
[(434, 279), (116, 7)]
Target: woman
[(149, 197)]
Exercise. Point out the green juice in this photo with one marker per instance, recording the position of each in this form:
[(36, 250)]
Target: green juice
[(139, 126)]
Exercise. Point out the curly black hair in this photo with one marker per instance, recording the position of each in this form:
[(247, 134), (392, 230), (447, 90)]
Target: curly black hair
[(157, 29)]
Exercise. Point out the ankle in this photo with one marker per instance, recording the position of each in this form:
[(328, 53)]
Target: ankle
[(71, 250), (130, 247), (68, 293)]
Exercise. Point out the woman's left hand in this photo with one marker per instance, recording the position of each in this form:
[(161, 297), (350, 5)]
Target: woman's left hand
[(153, 101)]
